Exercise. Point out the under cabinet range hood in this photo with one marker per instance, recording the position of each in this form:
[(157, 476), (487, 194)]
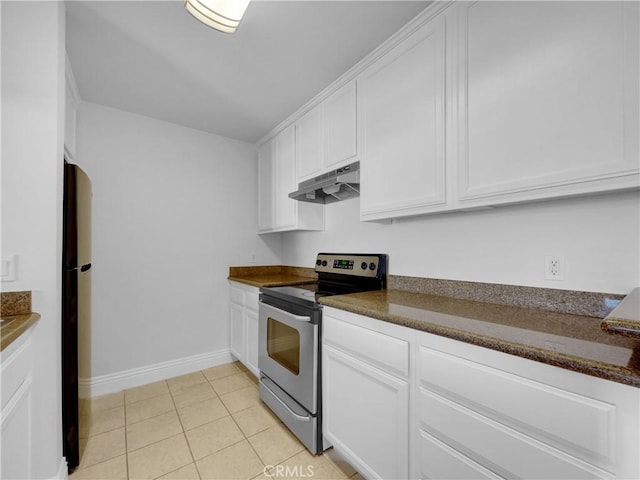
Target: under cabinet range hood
[(330, 187)]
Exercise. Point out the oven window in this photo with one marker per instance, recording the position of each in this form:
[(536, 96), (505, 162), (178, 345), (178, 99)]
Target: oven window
[(283, 345)]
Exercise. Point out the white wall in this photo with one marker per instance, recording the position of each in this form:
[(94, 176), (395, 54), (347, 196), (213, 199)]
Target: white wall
[(173, 208), (32, 149), (598, 236)]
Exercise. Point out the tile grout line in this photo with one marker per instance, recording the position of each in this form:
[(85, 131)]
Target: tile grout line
[(235, 422), (184, 432), (247, 438), (126, 445), (230, 415), (175, 410)]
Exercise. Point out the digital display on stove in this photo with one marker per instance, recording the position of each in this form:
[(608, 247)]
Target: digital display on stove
[(344, 264)]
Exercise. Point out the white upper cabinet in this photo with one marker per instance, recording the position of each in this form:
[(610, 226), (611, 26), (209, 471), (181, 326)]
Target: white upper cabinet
[(265, 187), (309, 144), (401, 107), (548, 99), (276, 179), (285, 178), (480, 104), (326, 135), (71, 101), (340, 130)]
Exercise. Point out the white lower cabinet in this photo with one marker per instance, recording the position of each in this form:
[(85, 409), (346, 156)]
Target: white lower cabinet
[(366, 396), (500, 415), (243, 328), (252, 341), (16, 377), (238, 330), (401, 403)]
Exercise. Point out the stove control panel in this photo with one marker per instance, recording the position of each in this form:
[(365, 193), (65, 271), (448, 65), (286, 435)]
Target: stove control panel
[(349, 264)]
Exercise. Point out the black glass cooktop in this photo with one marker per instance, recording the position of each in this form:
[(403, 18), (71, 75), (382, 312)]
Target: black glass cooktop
[(338, 274), (307, 294)]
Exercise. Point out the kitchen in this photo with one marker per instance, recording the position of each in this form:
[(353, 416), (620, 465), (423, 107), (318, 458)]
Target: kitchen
[(163, 261)]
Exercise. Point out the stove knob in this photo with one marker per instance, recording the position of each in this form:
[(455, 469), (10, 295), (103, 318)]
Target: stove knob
[(318, 262), (324, 263), (372, 266), (363, 265)]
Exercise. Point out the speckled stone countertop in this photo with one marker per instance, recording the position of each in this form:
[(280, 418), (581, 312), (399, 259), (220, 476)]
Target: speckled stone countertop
[(625, 319), (272, 275), (16, 316), (566, 340)]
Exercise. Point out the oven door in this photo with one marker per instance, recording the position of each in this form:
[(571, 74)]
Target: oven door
[(288, 353)]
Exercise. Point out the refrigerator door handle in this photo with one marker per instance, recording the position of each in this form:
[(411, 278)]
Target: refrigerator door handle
[(83, 268)]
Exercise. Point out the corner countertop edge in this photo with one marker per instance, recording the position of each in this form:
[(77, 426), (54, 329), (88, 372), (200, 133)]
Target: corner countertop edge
[(625, 318), (17, 326)]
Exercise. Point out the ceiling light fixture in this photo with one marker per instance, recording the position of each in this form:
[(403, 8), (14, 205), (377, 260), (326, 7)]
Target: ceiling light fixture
[(223, 15)]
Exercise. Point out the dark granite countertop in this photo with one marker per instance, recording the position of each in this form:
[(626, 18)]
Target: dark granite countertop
[(15, 325), (625, 319), (15, 315), (272, 275), (565, 340)]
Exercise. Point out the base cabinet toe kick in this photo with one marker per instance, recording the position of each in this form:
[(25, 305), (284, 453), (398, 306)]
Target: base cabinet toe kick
[(464, 411)]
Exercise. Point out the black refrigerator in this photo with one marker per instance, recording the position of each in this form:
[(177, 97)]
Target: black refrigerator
[(76, 303)]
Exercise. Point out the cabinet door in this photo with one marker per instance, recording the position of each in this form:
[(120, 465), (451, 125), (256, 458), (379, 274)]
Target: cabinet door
[(366, 415), (252, 342), (16, 444), (265, 187), (548, 99), (401, 114), (70, 122), (340, 127), (286, 209), (238, 331), (309, 144), (16, 378)]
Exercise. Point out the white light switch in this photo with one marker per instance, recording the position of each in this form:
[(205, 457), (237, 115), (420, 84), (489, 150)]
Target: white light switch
[(8, 269)]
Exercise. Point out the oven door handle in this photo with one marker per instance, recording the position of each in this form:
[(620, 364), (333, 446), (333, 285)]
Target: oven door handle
[(284, 313), (300, 418)]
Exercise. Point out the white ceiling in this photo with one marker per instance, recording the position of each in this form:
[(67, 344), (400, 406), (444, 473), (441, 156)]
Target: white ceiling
[(153, 58)]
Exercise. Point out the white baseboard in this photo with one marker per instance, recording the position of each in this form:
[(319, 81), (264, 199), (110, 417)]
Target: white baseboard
[(115, 382), (63, 471)]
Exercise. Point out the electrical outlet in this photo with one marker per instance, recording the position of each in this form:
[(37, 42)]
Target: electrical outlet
[(554, 266), (8, 264)]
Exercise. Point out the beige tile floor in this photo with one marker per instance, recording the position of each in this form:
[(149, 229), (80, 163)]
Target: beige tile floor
[(205, 425)]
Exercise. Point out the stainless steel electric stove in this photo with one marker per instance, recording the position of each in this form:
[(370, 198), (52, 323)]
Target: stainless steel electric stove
[(290, 325)]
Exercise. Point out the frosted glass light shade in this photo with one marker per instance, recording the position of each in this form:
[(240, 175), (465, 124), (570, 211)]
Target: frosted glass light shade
[(223, 15)]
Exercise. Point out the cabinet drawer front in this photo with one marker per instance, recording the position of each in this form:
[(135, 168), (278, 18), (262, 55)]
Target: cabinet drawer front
[(15, 369), (236, 295), (438, 460), (577, 424), (384, 351), (498, 448), (251, 300)]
